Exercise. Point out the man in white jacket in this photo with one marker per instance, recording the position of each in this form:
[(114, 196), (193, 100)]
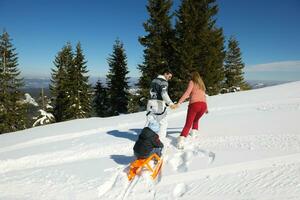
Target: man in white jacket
[(159, 100)]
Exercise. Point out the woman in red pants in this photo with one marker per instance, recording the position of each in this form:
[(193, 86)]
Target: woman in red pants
[(197, 106)]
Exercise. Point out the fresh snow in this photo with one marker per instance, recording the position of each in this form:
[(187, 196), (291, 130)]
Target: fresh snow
[(248, 147)]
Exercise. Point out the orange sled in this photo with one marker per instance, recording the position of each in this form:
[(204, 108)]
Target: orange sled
[(137, 166)]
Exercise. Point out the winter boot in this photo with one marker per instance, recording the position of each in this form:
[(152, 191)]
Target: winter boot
[(180, 142), (193, 133)]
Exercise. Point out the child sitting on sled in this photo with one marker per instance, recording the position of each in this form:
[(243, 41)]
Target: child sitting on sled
[(148, 141)]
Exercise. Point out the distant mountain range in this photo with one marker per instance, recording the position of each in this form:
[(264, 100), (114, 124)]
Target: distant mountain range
[(33, 86), (44, 82), (255, 84)]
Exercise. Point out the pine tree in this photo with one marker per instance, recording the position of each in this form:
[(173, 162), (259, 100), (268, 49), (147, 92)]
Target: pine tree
[(79, 87), (212, 62), (158, 43), (101, 101), (234, 65), (117, 80), (43, 99), (12, 110), (199, 43), (60, 92), (44, 113), (189, 26), (43, 118), (134, 103), (32, 108)]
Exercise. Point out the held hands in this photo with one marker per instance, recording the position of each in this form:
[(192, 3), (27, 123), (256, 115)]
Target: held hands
[(174, 106)]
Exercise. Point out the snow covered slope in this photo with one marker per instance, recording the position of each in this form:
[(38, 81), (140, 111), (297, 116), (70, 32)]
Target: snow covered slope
[(248, 148)]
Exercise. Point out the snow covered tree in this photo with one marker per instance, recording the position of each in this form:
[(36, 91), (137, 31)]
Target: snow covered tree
[(44, 118), (32, 108), (43, 100), (12, 109), (134, 103), (45, 111), (234, 65), (158, 43), (79, 87), (60, 93), (199, 43), (117, 80), (70, 90), (101, 100)]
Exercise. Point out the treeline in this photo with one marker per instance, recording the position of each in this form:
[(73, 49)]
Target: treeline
[(71, 95), (192, 42)]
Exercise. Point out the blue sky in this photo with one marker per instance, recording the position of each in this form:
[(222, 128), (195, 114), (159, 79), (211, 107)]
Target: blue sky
[(268, 32)]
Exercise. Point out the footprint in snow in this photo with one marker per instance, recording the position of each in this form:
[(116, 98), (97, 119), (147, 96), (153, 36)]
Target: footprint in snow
[(178, 162), (181, 161), (210, 155), (179, 190)]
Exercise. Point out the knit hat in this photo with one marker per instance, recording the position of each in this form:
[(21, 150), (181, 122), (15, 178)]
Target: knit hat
[(154, 126)]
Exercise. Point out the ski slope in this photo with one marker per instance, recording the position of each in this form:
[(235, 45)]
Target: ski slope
[(248, 147)]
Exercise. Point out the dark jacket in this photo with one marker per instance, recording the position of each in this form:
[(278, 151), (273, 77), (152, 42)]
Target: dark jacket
[(159, 90), (156, 88), (147, 140)]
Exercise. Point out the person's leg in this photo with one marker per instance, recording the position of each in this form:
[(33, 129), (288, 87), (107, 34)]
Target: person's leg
[(189, 121), (152, 108), (200, 108), (163, 125), (156, 111)]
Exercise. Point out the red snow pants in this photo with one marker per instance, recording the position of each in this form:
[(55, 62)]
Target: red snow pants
[(195, 111)]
